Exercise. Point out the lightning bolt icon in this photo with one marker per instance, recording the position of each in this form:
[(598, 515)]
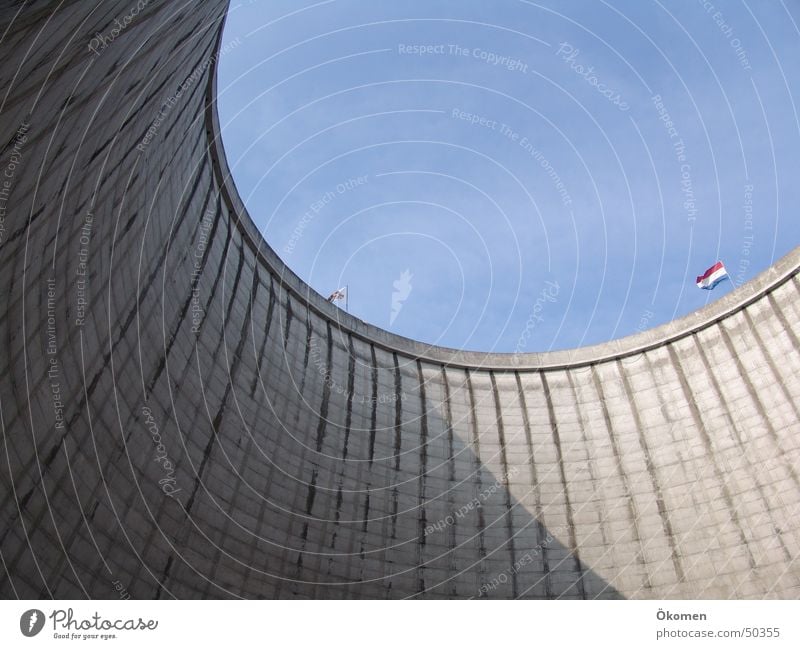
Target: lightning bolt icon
[(32, 621)]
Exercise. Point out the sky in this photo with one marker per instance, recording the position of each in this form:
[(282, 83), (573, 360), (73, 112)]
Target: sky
[(516, 176)]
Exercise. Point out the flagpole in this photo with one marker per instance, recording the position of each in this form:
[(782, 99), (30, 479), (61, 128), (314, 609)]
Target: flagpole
[(347, 298)]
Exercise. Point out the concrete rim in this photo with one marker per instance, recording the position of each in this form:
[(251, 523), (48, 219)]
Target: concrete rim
[(751, 291)]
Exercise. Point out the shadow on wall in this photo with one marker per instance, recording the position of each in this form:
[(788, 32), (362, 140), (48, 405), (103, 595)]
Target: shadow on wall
[(351, 482), (187, 420)]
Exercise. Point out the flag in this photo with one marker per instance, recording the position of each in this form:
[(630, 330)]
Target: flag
[(337, 295), (712, 276)]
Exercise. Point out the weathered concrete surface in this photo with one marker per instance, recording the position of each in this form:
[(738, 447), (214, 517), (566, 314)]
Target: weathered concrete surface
[(308, 454)]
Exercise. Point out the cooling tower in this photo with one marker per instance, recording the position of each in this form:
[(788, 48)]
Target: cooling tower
[(183, 417)]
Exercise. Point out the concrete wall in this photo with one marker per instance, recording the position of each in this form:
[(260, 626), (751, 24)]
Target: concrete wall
[(183, 417)]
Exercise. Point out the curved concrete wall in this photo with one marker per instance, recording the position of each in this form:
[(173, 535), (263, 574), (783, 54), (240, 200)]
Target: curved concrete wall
[(183, 417)]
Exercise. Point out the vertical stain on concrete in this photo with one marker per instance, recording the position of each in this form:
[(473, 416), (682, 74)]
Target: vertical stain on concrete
[(422, 521), (181, 316), (709, 448), (777, 310), (373, 420), (778, 379), (237, 357), (538, 523), (164, 578), (394, 513), (351, 381), (452, 566), (326, 389), (267, 325), (663, 512), (633, 515), (755, 473), (398, 413), (364, 528), (504, 481), (753, 394), (573, 543), (287, 325), (477, 467), (337, 515), (311, 494)]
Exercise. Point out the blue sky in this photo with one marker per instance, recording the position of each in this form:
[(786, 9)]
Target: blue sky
[(550, 174)]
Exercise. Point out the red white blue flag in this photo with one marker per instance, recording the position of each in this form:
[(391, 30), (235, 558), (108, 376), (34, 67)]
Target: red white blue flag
[(712, 276), (338, 295)]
